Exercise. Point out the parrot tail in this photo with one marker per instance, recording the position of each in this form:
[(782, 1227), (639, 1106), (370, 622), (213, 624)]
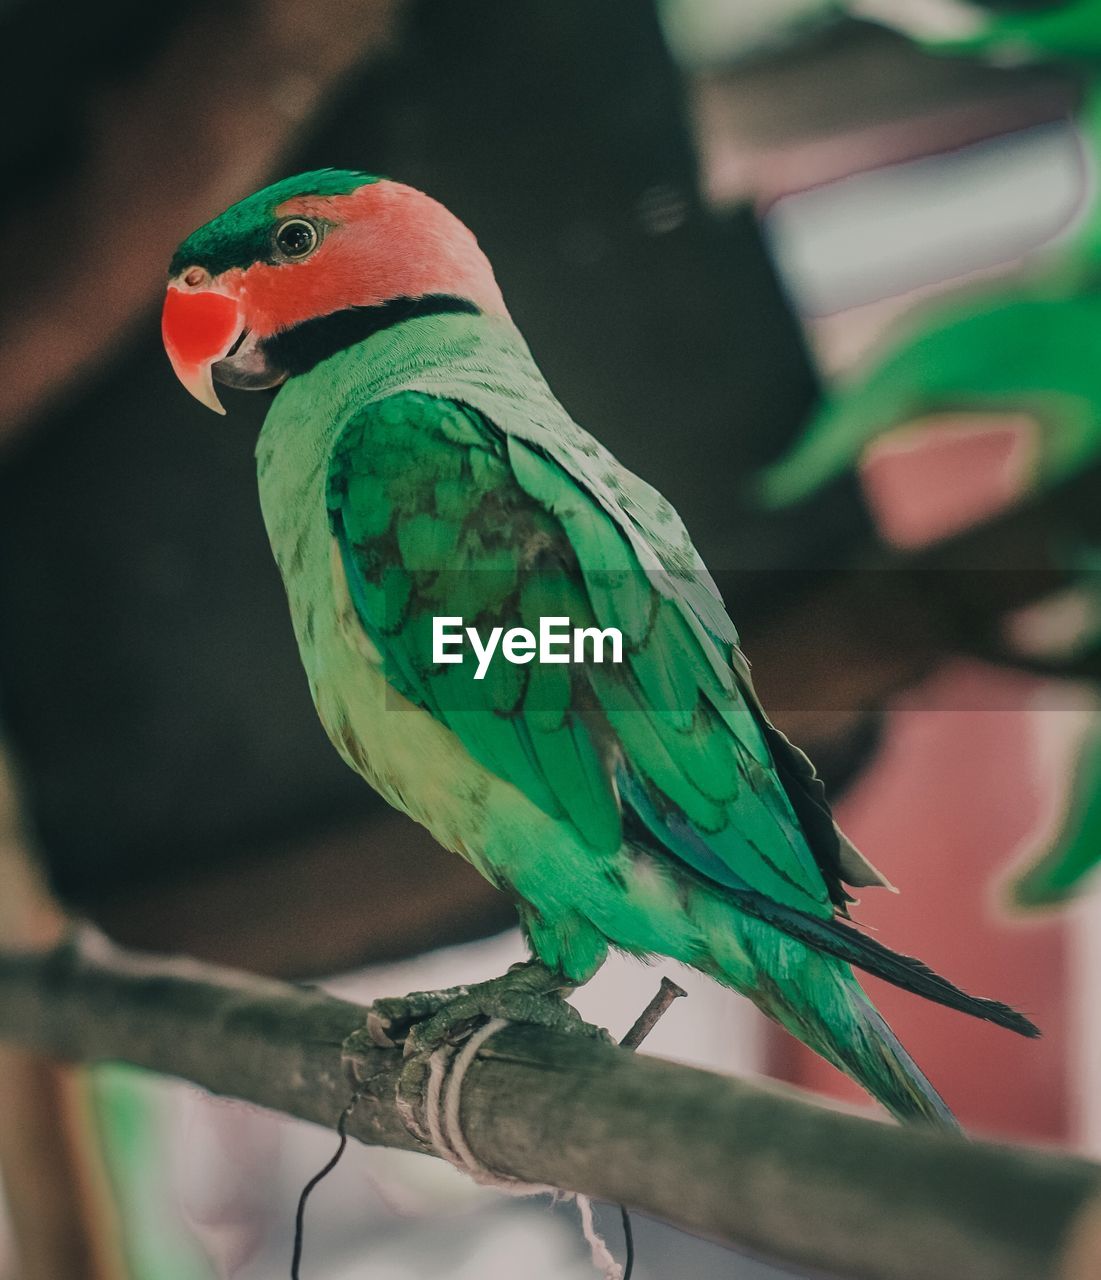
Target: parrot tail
[(872, 1054), (818, 999), (863, 952)]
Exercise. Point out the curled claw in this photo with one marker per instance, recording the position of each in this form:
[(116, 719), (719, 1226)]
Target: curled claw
[(421, 1021)]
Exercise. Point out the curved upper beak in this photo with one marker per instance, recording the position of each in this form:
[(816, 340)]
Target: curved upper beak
[(199, 328)]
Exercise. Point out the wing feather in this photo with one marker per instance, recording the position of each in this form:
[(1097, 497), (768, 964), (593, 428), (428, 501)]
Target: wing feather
[(670, 749)]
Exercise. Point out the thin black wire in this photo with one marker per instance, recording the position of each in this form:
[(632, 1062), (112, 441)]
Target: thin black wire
[(334, 1160), (628, 1242), (300, 1213)]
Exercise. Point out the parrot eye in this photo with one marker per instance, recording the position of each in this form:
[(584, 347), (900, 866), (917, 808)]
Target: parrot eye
[(296, 238)]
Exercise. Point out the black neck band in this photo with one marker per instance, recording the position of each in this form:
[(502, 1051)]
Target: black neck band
[(299, 349)]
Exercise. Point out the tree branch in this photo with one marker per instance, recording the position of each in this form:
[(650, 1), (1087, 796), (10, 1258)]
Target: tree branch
[(758, 1168), (51, 1160)]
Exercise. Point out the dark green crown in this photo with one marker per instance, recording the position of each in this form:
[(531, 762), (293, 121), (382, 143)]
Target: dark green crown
[(242, 235)]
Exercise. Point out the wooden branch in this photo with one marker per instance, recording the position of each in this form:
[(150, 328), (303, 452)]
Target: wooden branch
[(758, 1168), (54, 1180)]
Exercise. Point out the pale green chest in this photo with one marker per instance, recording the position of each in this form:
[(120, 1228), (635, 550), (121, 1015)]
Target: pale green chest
[(416, 763)]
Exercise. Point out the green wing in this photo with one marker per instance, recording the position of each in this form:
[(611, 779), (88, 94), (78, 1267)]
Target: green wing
[(438, 513)]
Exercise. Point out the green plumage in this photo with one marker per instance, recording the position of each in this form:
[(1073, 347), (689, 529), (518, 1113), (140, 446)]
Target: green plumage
[(429, 471), (422, 469), (242, 235)]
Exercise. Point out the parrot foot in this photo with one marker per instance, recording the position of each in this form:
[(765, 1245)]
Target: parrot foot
[(432, 1025), (425, 1020)]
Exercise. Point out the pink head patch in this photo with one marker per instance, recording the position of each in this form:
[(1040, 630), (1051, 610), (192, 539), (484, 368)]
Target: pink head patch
[(380, 242)]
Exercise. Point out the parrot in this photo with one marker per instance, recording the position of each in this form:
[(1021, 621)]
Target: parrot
[(414, 465)]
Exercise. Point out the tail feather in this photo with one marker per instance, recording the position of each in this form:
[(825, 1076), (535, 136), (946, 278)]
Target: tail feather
[(819, 1000), (846, 943), (877, 1059)]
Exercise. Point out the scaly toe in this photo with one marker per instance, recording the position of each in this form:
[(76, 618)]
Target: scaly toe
[(389, 1020), (455, 1021), (424, 1020)]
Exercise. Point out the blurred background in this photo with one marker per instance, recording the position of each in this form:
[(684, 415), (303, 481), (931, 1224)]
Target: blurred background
[(826, 274)]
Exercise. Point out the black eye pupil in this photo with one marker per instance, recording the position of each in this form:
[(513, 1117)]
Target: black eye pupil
[(296, 238)]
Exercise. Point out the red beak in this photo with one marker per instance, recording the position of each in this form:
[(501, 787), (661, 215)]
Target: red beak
[(199, 326)]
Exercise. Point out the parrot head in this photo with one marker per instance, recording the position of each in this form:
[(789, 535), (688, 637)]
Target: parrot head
[(307, 266)]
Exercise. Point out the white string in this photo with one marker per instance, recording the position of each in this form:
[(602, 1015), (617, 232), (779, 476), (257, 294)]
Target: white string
[(598, 1247), (442, 1107)]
